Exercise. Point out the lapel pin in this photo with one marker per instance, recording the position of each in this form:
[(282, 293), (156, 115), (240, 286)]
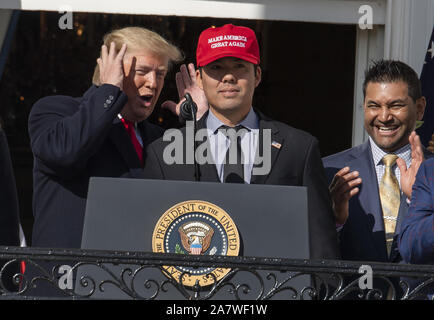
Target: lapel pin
[(276, 144)]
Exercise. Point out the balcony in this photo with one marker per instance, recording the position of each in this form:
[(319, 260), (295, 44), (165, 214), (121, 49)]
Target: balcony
[(86, 274)]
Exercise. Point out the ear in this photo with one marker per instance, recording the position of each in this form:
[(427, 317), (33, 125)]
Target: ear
[(258, 76), (420, 107), (199, 79)]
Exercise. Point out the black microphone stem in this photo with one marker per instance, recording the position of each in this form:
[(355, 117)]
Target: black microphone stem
[(196, 165), (187, 112)]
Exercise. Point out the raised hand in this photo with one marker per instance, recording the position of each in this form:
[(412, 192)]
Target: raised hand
[(431, 144), (186, 82), (342, 188), (408, 176), (111, 69)]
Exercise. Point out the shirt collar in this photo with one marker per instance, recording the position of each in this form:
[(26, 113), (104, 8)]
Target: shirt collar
[(251, 121), (378, 154)]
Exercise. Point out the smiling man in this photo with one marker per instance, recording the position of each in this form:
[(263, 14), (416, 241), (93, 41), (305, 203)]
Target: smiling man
[(371, 184), (391, 112), (103, 133), (229, 72)]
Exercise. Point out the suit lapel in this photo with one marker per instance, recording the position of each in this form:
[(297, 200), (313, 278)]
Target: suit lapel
[(208, 170), (369, 199), (122, 141), (369, 193), (403, 208), (275, 144), (143, 130)]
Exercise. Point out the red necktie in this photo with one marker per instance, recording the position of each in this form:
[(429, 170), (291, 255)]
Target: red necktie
[(130, 129)]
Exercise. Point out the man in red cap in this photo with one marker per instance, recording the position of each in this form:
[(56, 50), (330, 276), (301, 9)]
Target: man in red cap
[(228, 72)]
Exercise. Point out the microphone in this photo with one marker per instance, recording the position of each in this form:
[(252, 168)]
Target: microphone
[(188, 109), (187, 112)]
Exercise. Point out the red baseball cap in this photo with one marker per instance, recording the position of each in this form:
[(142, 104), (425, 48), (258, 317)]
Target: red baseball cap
[(227, 41)]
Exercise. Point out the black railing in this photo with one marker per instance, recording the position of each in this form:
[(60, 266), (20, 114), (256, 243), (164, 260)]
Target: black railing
[(85, 274)]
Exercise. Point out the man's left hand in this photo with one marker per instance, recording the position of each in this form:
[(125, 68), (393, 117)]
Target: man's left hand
[(408, 176)]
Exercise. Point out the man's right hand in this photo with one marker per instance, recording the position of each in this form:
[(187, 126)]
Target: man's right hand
[(111, 68), (342, 188)]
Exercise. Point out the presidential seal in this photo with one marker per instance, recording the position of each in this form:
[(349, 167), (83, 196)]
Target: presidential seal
[(198, 228)]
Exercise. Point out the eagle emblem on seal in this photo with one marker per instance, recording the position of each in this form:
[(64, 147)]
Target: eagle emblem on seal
[(196, 227), (196, 236)]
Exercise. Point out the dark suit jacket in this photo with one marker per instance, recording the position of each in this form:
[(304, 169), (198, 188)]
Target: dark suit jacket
[(296, 163), (417, 236), (9, 214), (362, 238), (416, 243), (73, 139)]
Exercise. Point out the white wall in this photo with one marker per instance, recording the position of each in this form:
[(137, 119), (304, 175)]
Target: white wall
[(329, 11), (420, 30), (408, 28)]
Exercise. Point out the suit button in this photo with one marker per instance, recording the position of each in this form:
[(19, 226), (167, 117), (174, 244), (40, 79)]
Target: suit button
[(105, 105), (111, 97), (108, 101)]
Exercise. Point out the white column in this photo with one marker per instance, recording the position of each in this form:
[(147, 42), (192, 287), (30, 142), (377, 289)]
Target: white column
[(408, 27), (369, 46), (5, 17), (404, 37)]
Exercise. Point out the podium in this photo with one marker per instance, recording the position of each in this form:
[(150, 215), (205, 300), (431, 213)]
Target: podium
[(133, 214)]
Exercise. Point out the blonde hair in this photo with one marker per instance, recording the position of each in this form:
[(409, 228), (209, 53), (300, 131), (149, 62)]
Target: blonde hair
[(137, 38)]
